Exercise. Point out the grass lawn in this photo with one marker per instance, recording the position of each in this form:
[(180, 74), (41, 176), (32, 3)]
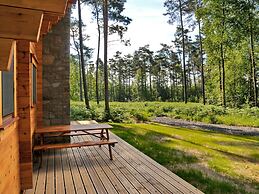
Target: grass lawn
[(211, 161)]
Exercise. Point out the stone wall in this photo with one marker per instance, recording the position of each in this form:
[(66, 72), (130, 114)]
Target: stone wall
[(56, 70)]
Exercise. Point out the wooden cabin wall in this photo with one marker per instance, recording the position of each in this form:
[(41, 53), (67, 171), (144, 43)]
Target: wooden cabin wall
[(9, 160), (9, 148)]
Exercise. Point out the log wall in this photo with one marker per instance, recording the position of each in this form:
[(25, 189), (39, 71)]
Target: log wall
[(27, 112), (9, 160), (9, 146)]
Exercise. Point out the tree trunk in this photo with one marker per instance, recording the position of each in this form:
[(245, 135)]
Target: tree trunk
[(174, 86), (223, 57), (189, 81), (220, 81), (202, 66), (150, 84), (194, 81), (253, 63), (120, 84), (183, 45), (98, 53), (80, 80), (251, 90), (87, 104), (79, 68), (129, 86), (223, 75), (105, 65), (171, 74), (112, 87)]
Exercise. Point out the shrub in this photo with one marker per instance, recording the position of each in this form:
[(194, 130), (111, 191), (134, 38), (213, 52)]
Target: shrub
[(143, 111), (141, 116), (79, 113), (117, 115)]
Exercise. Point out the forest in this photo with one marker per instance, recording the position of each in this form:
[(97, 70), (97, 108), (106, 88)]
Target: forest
[(213, 58), (154, 99)]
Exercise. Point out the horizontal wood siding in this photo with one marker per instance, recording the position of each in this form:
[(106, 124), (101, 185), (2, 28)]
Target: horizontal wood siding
[(9, 148), (9, 160)]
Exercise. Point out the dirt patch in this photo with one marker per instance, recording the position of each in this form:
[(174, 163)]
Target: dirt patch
[(233, 130)]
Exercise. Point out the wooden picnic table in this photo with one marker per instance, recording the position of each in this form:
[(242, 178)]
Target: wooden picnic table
[(101, 131)]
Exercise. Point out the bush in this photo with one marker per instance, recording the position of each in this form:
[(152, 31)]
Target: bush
[(79, 113), (117, 115), (129, 112), (141, 116)]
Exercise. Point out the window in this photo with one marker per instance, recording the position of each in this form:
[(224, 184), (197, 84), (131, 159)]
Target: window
[(34, 85), (8, 91)]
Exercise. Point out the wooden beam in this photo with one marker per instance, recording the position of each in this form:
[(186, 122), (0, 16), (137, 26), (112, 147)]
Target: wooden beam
[(6, 53), (48, 21), (20, 24), (54, 6), (45, 27)]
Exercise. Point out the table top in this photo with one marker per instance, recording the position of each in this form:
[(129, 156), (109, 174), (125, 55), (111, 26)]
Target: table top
[(71, 128)]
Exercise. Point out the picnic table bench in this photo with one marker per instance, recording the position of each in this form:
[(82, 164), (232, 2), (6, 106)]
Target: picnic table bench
[(101, 131)]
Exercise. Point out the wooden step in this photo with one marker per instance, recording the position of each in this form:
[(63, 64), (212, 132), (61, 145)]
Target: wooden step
[(73, 145)]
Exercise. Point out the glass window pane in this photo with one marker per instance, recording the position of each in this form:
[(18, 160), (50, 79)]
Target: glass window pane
[(8, 91)]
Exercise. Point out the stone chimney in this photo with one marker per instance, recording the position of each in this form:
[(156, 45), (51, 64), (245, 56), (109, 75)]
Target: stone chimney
[(56, 71)]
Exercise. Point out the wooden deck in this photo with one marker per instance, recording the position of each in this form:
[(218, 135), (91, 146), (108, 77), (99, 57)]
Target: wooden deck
[(89, 170)]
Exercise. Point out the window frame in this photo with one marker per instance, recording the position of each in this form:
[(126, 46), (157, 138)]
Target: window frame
[(34, 63)]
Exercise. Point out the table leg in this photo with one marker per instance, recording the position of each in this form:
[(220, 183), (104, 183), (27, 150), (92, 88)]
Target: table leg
[(107, 134), (110, 152), (41, 139), (41, 151), (102, 136)]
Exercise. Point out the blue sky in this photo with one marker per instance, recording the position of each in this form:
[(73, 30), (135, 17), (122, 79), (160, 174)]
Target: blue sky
[(149, 26)]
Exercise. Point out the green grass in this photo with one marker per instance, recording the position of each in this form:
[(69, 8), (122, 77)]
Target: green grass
[(130, 112), (213, 162)]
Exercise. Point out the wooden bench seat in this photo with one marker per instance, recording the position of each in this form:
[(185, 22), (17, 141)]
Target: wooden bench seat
[(73, 145), (72, 134)]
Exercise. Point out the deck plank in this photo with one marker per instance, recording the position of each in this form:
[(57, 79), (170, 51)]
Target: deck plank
[(90, 170), (34, 180), (105, 180), (78, 183), (113, 179), (59, 181), (95, 178), (40, 187), (161, 170), (69, 182), (155, 178), (117, 172), (84, 172), (50, 180), (149, 174), (135, 178)]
